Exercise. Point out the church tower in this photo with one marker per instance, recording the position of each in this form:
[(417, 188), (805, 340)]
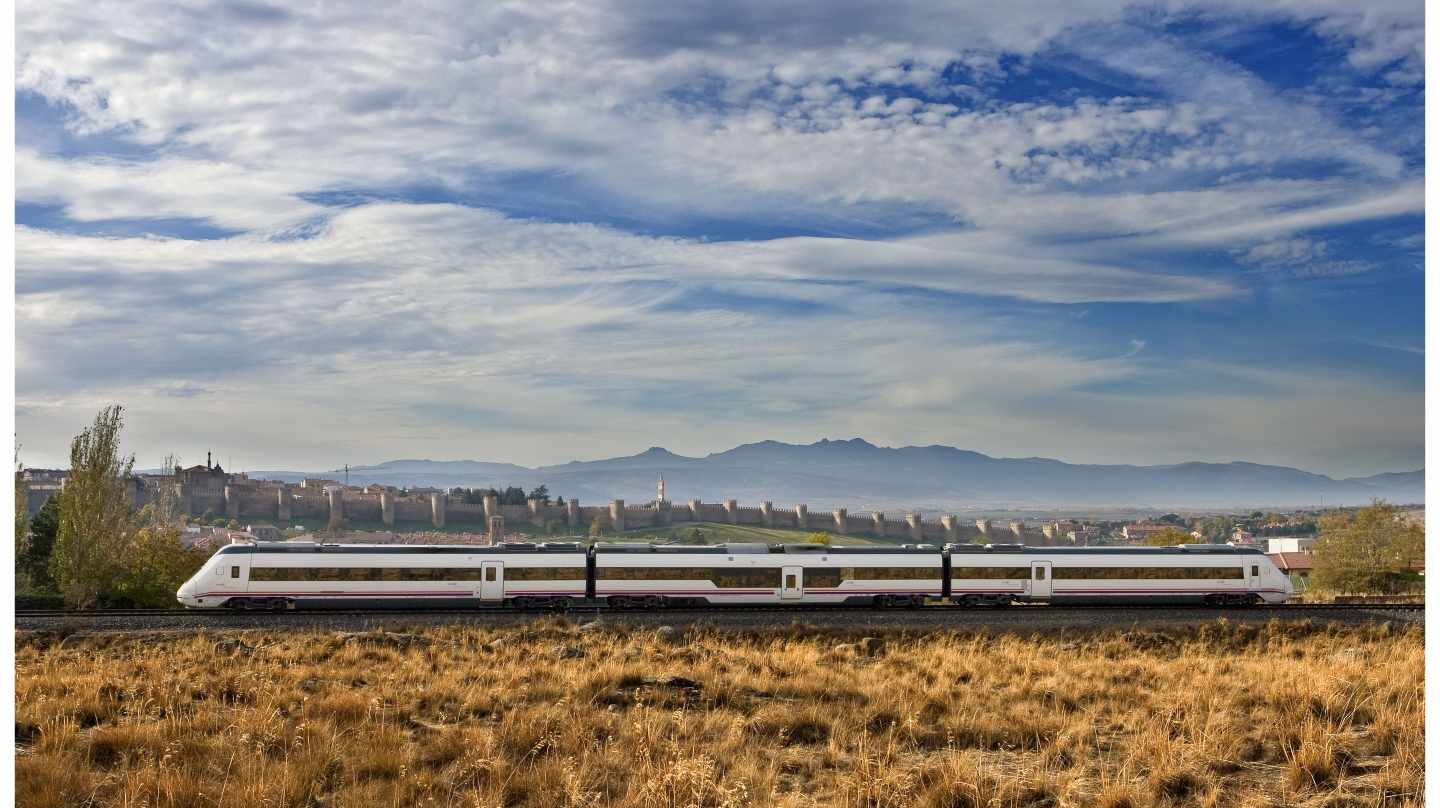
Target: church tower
[(660, 491)]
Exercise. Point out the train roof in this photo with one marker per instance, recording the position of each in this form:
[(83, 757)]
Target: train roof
[(729, 549), (1179, 549), (760, 547), (401, 549)]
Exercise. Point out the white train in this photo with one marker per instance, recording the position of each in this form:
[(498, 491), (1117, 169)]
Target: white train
[(284, 575)]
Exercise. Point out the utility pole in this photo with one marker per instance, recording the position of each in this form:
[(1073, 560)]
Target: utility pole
[(347, 475)]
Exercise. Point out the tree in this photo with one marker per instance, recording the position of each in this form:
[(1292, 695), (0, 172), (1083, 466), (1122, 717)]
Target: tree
[(156, 564), (168, 508), (94, 517), (1216, 529), (22, 506), (541, 493), (36, 560), (1171, 519), (1370, 550), (513, 496), (1169, 537), (819, 538)]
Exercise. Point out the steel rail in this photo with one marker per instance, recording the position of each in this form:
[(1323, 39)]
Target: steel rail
[(582, 610)]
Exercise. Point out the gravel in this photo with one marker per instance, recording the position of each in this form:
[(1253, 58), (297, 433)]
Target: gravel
[(1022, 618)]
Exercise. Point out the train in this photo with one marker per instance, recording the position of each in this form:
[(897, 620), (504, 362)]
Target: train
[(290, 575)]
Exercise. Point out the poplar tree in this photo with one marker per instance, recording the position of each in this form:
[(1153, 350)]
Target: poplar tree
[(94, 518)]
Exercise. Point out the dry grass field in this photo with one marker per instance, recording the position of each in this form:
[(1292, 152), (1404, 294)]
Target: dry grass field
[(551, 715)]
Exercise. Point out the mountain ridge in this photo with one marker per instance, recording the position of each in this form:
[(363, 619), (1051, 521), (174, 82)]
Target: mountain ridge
[(857, 473)]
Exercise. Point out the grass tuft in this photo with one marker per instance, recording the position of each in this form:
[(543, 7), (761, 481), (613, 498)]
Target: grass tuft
[(1280, 714)]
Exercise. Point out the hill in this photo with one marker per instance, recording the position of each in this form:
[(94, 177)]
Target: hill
[(860, 475)]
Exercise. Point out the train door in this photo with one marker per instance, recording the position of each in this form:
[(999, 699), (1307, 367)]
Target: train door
[(232, 575), (492, 580), (791, 584), (1040, 580), (1252, 576)]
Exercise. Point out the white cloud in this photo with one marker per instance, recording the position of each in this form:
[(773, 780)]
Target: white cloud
[(430, 325)]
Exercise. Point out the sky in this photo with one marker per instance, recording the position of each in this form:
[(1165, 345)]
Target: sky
[(307, 234)]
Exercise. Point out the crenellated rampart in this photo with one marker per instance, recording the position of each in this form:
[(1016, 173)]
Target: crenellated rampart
[(237, 497)]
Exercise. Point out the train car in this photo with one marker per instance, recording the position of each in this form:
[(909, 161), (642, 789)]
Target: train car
[(633, 575), (282, 575), (1205, 573)]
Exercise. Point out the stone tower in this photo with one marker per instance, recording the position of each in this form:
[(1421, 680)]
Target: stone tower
[(660, 490)]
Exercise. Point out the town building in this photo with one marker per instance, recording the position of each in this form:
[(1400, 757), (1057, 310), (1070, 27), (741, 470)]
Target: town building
[(1297, 565), (1290, 544)]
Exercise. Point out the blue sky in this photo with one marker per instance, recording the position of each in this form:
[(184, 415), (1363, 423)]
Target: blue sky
[(1097, 231)]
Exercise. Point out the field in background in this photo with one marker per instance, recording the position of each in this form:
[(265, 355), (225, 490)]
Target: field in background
[(555, 715)]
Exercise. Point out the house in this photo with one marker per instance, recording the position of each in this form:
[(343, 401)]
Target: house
[(1297, 564), (1290, 544)]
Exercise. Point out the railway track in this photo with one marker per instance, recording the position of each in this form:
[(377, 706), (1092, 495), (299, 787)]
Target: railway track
[(579, 611)]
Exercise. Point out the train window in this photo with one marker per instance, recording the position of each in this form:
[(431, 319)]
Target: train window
[(889, 573), (1149, 573), (822, 578), (1039, 573), (1003, 573), (743, 579), (545, 573), (790, 581), (1254, 570), (234, 572), (490, 574)]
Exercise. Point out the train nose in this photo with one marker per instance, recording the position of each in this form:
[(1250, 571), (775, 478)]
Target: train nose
[(186, 594)]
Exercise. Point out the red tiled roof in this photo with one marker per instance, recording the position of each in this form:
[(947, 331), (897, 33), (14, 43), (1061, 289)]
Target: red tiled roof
[(1296, 562)]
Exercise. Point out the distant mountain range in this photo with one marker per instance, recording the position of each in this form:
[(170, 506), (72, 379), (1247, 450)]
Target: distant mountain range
[(861, 475)]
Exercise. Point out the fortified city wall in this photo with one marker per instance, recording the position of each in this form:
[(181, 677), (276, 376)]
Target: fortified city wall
[(204, 490)]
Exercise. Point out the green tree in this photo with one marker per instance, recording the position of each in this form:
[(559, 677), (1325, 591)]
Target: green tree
[(1169, 537), (94, 517), (541, 493), (1216, 529), (36, 560), (156, 564), (1370, 550)]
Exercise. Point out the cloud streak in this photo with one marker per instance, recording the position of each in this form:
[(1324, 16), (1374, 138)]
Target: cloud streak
[(607, 220)]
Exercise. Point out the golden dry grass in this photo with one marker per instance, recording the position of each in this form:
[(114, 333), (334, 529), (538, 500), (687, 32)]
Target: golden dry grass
[(549, 715)]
